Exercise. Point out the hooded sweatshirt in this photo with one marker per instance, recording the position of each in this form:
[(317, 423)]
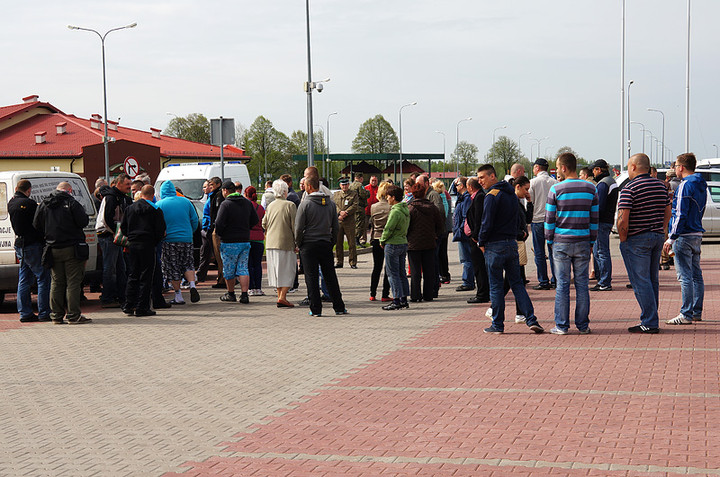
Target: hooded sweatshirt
[(316, 220), (688, 207), (181, 218), (235, 218), (396, 228), (143, 224), (501, 215), (61, 219)]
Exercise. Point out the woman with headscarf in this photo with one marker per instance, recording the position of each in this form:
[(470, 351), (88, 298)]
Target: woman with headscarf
[(279, 225)]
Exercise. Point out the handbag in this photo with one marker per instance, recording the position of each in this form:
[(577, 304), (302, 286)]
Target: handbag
[(120, 238)]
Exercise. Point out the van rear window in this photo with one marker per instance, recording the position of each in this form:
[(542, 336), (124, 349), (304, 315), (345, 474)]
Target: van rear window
[(43, 186)]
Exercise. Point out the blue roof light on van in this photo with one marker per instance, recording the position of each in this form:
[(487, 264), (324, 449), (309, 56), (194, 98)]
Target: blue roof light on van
[(204, 163), (173, 165)]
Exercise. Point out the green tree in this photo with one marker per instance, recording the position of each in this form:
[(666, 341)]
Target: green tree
[(466, 155), (375, 136), (194, 127), (504, 153), (298, 142), (269, 148), (569, 149)]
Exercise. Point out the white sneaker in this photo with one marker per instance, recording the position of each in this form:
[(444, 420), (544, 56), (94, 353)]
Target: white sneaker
[(251, 292), (259, 292), (679, 320), (488, 313), (292, 290), (519, 319)]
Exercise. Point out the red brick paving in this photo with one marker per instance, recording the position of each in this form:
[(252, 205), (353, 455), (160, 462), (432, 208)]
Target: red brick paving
[(609, 398)]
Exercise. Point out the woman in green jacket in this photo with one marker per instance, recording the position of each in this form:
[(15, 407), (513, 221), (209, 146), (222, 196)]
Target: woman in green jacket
[(394, 241)]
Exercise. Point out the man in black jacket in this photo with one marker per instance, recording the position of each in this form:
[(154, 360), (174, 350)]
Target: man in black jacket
[(474, 221), (235, 217), (115, 201), (28, 248), (61, 219), (144, 226)]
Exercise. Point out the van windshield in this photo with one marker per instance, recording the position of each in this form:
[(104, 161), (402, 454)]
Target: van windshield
[(42, 186), (191, 188)]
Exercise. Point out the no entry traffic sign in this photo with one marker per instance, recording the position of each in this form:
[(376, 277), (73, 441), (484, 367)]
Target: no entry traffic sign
[(131, 166)]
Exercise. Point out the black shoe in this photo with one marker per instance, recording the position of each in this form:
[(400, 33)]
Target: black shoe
[(629, 285), (218, 285), (30, 319), (553, 286), (44, 318), (354, 267), (393, 306), (81, 320), (128, 311), (644, 329), (537, 328), (305, 302), (405, 304), (326, 299), (343, 312), (543, 287), (228, 297), (445, 280), (162, 304), (145, 313), (244, 298), (464, 288), (599, 287), (416, 300), (478, 299), (338, 265), (194, 295)]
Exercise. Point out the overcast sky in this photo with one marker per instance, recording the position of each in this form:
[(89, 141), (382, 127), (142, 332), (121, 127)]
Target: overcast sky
[(551, 67)]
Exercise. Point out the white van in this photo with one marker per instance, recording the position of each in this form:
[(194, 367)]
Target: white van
[(191, 176), (43, 182)]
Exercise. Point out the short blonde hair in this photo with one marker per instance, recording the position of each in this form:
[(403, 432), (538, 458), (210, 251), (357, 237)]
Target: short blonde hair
[(439, 186), (382, 190)]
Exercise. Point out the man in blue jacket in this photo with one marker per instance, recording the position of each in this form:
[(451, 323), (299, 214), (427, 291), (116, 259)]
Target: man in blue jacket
[(685, 238), (464, 243), (497, 239)]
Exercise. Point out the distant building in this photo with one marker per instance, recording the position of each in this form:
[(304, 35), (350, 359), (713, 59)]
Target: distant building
[(35, 135)]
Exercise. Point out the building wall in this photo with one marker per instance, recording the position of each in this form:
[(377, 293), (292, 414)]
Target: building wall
[(39, 164), (148, 158)]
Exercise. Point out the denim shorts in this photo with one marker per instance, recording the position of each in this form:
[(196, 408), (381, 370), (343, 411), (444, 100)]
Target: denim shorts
[(235, 259)]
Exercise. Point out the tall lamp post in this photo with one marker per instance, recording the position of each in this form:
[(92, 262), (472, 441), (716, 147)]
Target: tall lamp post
[(326, 165), (663, 131), (687, 84), (457, 143), (519, 148), (443, 135), (622, 90), (493, 143), (400, 128), (642, 126), (102, 42), (716, 150), (628, 118), (538, 145)]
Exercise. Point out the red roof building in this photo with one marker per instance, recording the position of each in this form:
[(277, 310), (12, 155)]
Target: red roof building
[(35, 135)]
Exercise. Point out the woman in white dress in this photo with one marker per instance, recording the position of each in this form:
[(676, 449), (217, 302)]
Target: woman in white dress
[(279, 225)]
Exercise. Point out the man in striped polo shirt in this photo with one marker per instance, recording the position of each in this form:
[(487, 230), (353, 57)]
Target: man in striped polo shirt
[(571, 226), (643, 215)]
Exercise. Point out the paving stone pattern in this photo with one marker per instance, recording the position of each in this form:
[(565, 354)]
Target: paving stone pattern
[(229, 389)]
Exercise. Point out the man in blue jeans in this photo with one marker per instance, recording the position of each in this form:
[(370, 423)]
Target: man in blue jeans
[(497, 239), (464, 243), (685, 238), (607, 191), (28, 248), (571, 224), (643, 215), (539, 187)]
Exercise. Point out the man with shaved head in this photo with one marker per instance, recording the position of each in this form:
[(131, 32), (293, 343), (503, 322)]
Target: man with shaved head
[(643, 214)]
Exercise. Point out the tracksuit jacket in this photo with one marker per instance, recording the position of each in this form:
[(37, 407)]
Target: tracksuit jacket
[(688, 207)]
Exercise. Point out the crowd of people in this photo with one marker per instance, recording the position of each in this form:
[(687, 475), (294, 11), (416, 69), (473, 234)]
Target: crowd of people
[(146, 240)]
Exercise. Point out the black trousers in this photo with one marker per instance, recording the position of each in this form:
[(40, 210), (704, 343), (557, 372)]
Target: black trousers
[(443, 262), (140, 275), (206, 254), (422, 265), (481, 277), (378, 261), (314, 255)]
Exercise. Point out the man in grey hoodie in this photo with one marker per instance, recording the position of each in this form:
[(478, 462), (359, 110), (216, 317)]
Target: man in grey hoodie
[(316, 226)]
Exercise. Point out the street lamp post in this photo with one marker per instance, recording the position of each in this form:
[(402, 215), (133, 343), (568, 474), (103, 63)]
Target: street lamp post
[(519, 148), (716, 150), (663, 131), (457, 143), (326, 165), (642, 126), (102, 42), (538, 145), (443, 135), (492, 146), (622, 89), (628, 118), (687, 84), (400, 129)]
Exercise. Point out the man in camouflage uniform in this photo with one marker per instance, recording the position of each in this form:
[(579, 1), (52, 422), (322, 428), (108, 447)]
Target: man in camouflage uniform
[(360, 219), (347, 206)]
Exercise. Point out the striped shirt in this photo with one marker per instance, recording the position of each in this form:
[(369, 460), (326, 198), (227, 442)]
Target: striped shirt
[(646, 198), (572, 212)]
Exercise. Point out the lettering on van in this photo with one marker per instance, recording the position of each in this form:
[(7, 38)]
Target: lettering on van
[(6, 230), (7, 243)]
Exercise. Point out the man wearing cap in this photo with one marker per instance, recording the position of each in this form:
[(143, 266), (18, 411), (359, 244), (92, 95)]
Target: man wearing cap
[(607, 191), (347, 206), (539, 187), (235, 217)]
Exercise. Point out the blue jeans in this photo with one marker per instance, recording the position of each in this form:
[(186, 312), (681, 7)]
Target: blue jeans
[(503, 256), (641, 254), (464, 252), (575, 256), (31, 270), (395, 270), (114, 271), (538, 236), (601, 252), (687, 263)]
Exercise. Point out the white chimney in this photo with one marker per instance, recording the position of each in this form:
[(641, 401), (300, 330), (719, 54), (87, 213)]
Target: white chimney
[(96, 121), (40, 137), (61, 128), (33, 98), (112, 125), (155, 132)]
